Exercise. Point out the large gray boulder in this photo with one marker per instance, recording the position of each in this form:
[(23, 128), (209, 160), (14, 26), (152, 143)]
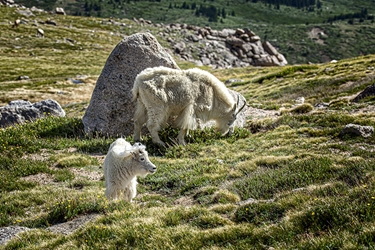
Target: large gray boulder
[(111, 111), (19, 111)]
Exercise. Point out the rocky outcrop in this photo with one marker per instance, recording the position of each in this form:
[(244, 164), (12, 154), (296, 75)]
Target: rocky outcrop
[(219, 49), (225, 48), (111, 111), (19, 111)]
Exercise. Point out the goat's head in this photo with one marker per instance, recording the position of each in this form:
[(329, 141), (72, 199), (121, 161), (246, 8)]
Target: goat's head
[(140, 157), (225, 124)]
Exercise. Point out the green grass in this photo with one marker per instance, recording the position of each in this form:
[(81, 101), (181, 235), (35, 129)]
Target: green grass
[(287, 181)]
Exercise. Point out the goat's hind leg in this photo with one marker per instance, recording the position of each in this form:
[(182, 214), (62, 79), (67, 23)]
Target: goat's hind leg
[(156, 119), (140, 118)]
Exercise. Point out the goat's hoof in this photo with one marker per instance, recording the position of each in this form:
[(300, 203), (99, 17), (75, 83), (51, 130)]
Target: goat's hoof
[(160, 143)]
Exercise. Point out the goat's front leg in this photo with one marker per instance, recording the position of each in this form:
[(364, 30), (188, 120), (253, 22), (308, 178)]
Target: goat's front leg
[(181, 136)]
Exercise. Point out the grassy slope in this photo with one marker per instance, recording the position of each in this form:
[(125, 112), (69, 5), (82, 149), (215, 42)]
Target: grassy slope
[(286, 28), (310, 188)]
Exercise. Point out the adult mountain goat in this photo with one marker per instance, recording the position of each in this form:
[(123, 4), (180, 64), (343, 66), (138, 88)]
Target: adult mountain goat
[(122, 165), (186, 94)]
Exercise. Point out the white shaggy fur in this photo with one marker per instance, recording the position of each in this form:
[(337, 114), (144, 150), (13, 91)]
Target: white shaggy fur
[(122, 165), (163, 92)]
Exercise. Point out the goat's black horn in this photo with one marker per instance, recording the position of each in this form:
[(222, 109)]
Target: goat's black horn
[(244, 104)]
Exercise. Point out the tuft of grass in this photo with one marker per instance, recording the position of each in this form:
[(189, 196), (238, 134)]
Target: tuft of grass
[(299, 109), (260, 213), (77, 161)]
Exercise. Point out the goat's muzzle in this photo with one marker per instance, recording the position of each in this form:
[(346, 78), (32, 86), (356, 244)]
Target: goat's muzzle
[(152, 169)]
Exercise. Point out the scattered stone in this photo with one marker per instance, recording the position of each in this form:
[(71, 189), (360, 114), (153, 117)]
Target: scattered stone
[(75, 81), (51, 22), (20, 78), (16, 23), (40, 32), (179, 47), (35, 9), (60, 11), (69, 40), (110, 111), (233, 80), (25, 12), (19, 111), (252, 201), (358, 130), (300, 100), (322, 105), (7, 1)]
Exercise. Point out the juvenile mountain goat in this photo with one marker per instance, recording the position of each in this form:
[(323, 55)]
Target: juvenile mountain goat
[(187, 94), (122, 165)]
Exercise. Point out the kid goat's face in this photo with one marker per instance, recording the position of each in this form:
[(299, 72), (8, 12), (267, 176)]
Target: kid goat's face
[(147, 167)]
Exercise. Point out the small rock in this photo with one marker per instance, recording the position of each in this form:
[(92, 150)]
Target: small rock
[(300, 100), (40, 32), (60, 11), (355, 129), (233, 80), (51, 22), (322, 105), (23, 78)]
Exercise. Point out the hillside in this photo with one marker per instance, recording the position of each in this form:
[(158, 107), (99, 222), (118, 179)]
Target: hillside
[(288, 180), (336, 30)]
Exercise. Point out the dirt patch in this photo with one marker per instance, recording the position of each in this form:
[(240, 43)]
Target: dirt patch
[(41, 178), (316, 34), (91, 175), (43, 155), (7, 233), (99, 157), (184, 201), (70, 226), (257, 114)]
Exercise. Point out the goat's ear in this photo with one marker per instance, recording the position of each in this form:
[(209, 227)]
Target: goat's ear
[(134, 155)]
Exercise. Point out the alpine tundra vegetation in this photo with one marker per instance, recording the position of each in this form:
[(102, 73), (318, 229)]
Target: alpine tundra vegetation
[(285, 181)]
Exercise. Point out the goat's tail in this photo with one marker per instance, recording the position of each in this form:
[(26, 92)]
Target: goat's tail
[(135, 90)]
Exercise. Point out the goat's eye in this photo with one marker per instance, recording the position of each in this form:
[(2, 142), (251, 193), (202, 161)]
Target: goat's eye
[(142, 159)]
